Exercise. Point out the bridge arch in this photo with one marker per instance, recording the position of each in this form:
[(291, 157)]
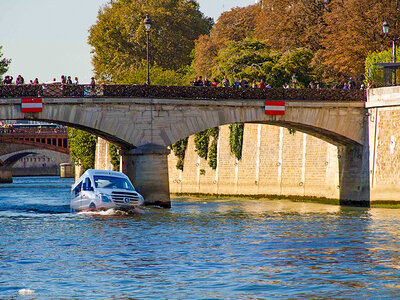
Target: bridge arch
[(10, 154)]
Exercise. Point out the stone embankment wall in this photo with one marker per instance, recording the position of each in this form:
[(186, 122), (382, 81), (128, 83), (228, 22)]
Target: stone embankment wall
[(384, 140), (274, 162)]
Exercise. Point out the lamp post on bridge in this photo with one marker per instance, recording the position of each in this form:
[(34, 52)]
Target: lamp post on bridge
[(385, 29), (147, 25)]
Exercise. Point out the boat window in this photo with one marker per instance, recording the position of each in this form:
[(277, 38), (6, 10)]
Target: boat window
[(88, 184), (110, 182), (77, 189)]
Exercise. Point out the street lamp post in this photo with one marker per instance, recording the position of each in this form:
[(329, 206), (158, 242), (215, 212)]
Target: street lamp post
[(147, 25), (294, 80), (385, 29)]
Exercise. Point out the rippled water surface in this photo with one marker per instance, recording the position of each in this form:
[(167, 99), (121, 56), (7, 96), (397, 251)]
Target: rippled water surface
[(200, 249)]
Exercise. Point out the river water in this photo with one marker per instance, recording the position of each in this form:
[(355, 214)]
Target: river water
[(199, 249)]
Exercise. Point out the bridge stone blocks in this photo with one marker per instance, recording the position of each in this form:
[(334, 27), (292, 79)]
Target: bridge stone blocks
[(384, 135), (274, 162)]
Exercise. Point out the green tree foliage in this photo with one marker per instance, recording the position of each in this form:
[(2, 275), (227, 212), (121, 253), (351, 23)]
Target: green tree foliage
[(204, 148), (179, 149), (373, 73), (82, 148), (256, 60), (4, 63), (212, 155), (119, 38), (236, 139), (201, 141), (115, 157)]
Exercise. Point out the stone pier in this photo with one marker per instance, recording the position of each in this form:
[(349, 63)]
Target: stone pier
[(147, 167), (67, 170), (354, 175), (6, 174)]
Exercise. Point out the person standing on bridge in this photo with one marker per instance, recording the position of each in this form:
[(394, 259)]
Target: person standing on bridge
[(92, 83), (20, 80), (225, 82)]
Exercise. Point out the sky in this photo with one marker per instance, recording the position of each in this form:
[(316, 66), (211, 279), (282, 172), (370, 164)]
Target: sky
[(48, 38)]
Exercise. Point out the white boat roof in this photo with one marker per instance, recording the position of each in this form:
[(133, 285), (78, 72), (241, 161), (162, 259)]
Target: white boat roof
[(92, 172)]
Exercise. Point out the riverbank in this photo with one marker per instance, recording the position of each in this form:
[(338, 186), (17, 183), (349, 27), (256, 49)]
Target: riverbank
[(318, 200)]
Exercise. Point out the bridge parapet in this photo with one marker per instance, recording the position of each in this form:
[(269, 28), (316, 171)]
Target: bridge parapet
[(177, 92)]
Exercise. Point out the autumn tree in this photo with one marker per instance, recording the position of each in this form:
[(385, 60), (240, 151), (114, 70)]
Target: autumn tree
[(119, 39), (4, 63), (289, 24), (354, 29), (234, 25)]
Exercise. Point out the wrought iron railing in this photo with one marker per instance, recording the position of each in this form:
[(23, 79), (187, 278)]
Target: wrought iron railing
[(176, 92)]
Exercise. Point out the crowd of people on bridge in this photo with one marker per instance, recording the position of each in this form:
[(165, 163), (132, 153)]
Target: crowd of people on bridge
[(8, 80), (199, 81), (5, 127), (244, 83)]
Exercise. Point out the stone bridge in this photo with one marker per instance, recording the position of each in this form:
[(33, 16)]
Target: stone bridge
[(144, 121), (55, 139), (10, 153)]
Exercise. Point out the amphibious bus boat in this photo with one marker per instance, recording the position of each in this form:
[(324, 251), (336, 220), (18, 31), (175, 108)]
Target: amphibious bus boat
[(102, 190)]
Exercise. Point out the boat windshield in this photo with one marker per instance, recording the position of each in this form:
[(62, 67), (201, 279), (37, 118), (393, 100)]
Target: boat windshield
[(110, 182)]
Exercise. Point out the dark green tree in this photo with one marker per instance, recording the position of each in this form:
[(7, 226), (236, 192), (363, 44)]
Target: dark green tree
[(256, 60), (4, 63), (114, 156), (119, 38)]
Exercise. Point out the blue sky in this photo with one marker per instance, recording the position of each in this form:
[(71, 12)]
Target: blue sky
[(48, 38)]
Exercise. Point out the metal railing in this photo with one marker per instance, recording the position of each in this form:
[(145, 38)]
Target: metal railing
[(176, 92), (33, 131)]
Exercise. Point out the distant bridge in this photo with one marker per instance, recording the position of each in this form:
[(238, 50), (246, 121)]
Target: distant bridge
[(145, 120), (55, 139)]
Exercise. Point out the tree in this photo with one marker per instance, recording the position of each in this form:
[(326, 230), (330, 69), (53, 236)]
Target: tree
[(137, 74), (119, 39), (82, 148), (4, 63), (289, 24), (234, 25), (373, 73), (354, 29), (255, 60)]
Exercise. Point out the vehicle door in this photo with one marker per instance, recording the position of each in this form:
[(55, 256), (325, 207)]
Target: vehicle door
[(88, 194), (76, 197)]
